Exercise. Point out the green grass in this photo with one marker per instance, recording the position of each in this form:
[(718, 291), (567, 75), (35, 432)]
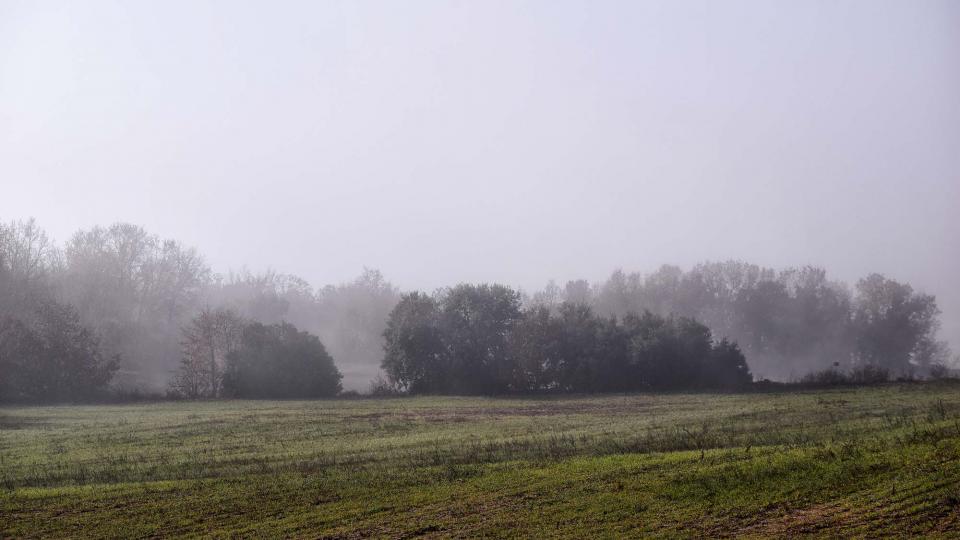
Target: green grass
[(855, 462)]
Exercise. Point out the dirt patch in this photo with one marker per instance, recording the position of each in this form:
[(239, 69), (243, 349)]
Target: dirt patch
[(822, 518)]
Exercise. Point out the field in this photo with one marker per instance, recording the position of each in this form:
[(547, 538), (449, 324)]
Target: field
[(854, 462)]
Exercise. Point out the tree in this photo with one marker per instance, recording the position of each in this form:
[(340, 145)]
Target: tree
[(662, 292), (414, 359), (668, 353), (726, 367), (136, 291), (177, 277), (550, 297), (207, 341), (474, 322), (713, 287), (27, 257), (578, 292), (455, 343), (280, 361), (894, 324), (618, 295), (762, 323), (573, 350), (26, 250), (349, 318), (575, 365), (535, 347), (818, 330), (21, 357), (53, 359)]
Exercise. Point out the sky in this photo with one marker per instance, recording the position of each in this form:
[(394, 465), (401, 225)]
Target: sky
[(511, 142)]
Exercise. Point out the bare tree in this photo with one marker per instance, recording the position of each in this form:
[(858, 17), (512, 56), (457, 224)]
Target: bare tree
[(207, 341), (26, 254), (137, 291)]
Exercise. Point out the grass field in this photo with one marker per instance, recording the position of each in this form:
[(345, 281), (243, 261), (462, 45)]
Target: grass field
[(861, 462)]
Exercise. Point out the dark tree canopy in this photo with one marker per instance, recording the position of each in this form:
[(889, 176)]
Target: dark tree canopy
[(726, 368), (414, 356), (279, 361), (52, 359), (474, 339), (535, 346), (456, 343), (474, 323)]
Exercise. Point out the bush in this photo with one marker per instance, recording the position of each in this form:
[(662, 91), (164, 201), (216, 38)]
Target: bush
[(863, 375), (382, 387), (869, 374), (827, 377), (279, 361)]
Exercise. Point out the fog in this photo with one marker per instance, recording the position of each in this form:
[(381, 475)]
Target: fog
[(512, 142)]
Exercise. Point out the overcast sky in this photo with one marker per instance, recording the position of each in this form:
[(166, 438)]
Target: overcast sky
[(486, 141)]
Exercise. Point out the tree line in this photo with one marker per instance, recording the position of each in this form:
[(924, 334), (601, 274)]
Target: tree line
[(477, 339), (134, 294), (788, 323), (117, 309)]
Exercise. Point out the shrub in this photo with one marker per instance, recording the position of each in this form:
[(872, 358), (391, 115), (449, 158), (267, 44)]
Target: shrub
[(382, 387), (279, 361), (827, 377), (869, 374), (863, 375)]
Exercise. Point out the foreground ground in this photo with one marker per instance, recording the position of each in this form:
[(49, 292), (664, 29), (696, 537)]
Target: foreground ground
[(861, 462)]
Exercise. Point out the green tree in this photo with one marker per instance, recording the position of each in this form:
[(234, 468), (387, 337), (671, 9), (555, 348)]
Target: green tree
[(534, 346), (414, 358), (475, 321), (52, 359), (725, 368)]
